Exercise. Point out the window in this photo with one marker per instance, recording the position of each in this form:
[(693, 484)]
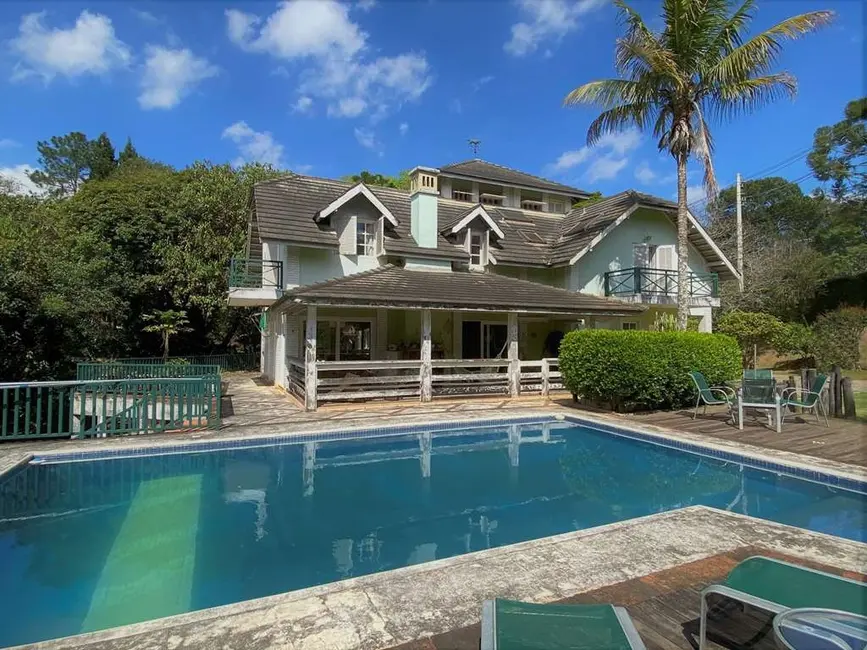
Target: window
[(355, 340), (476, 249), (557, 206), (629, 325), (365, 239)]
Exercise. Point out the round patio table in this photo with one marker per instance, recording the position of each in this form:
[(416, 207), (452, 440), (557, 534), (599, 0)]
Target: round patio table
[(820, 629)]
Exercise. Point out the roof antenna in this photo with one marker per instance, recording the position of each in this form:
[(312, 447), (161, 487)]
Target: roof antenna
[(474, 145)]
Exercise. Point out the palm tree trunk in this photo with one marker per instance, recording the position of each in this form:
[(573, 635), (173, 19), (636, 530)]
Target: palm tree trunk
[(165, 347), (682, 247)]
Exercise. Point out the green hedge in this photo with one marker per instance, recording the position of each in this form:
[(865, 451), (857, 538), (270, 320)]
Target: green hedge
[(636, 370)]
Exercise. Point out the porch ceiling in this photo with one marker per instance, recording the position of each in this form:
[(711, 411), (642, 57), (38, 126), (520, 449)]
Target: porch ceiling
[(393, 286)]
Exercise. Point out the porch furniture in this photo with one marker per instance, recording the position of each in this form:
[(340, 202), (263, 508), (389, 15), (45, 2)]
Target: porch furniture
[(513, 625), (758, 373), (813, 628), (712, 395), (759, 394), (773, 586), (809, 400)]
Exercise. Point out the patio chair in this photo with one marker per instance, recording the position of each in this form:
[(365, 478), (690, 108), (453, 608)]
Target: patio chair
[(774, 586), (810, 400), (712, 395), (758, 373), (513, 625)]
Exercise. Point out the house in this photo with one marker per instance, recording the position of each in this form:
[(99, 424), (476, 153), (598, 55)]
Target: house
[(464, 284)]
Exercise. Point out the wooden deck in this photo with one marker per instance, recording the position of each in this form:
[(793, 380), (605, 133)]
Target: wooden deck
[(845, 441), (665, 607)]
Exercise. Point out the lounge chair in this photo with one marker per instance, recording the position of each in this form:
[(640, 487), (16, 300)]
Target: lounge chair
[(513, 625), (758, 373), (810, 400), (712, 395), (774, 586)]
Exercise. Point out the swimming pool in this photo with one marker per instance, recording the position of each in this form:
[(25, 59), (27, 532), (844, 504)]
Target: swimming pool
[(107, 541)]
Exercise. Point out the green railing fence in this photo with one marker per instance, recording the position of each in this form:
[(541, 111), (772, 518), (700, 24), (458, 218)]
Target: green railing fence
[(110, 407), (87, 371), (255, 274), (641, 280), (226, 362)]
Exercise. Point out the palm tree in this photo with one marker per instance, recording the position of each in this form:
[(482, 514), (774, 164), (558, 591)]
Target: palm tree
[(670, 81), (167, 323)]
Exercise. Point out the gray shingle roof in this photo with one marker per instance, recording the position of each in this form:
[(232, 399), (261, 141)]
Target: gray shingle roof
[(485, 171), (395, 286)]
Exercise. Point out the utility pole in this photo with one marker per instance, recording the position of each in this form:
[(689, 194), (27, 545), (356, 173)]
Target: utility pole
[(740, 234)]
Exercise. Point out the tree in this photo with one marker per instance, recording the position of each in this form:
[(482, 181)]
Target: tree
[(670, 81), (128, 154), (65, 162), (839, 152), (755, 332), (102, 160), (167, 323), (401, 181)]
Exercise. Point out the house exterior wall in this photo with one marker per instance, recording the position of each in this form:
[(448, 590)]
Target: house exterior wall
[(614, 252), (553, 277)]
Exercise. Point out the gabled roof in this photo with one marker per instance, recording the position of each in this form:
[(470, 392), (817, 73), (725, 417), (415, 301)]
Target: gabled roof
[(473, 213), (393, 286), (362, 190), (482, 170)]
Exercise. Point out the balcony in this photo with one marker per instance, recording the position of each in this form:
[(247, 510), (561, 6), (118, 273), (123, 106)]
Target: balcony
[(254, 283), (659, 286)]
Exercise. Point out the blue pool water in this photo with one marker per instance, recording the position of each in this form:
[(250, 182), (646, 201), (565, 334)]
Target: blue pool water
[(90, 545)]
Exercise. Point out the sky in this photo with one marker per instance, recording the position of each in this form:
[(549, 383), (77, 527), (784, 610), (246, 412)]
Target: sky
[(330, 88)]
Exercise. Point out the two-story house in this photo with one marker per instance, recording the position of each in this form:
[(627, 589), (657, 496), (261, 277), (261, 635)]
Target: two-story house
[(464, 284)]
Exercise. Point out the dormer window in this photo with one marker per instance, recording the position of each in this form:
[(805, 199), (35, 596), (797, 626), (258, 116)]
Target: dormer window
[(365, 238), (476, 249)]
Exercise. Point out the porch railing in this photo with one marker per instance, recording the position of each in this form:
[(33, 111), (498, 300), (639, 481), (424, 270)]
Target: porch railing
[(227, 362), (108, 407), (255, 274), (366, 380), (637, 281), (88, 371)]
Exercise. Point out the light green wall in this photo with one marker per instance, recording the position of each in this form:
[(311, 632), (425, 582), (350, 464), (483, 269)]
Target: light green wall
[(553, 277), (423, 214), (320, 264), (614, 252)]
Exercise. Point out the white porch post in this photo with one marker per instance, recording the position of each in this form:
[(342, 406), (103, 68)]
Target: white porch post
[(514, 362), (310, 374), (425, 373)]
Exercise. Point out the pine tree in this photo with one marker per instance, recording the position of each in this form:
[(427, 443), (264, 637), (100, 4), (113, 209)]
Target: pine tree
[(102, 160), (128, 154)]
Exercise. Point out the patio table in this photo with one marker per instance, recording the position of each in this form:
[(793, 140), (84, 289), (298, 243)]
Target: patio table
[(759, 394), (820, 629)]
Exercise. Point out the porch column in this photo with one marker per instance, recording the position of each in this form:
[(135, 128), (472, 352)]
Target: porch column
[(425, 373), (310, 374), (514, 362)]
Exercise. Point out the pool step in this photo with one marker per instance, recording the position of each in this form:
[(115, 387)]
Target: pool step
[(149, 569)]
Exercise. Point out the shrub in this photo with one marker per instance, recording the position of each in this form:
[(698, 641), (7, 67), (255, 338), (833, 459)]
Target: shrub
[(631, 370), (796, 339), (665, 321), (755, 332), (837, 336)]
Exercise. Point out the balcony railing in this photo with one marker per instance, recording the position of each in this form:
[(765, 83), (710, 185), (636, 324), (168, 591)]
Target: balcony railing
[(255, 274), (663, 282)]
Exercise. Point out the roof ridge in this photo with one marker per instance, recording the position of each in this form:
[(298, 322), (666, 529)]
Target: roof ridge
[(509, 169)]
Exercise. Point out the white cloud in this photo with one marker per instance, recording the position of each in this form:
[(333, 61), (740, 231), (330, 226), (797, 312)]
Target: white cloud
[(606, 158), (89, 47), (403, 128), (170, 75), (482, 81), (546, 21), (455, 106), (644, 174), (365, 5), (303, 105), (8, 143), (254, 146), (146, 16), (334, 55), (19, 176), (367, 139), (605, 168)]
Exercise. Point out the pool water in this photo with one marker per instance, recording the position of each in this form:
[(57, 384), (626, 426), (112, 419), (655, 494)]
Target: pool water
[(94, 544)]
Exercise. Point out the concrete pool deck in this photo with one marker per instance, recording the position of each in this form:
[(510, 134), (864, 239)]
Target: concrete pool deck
[(417, 602)]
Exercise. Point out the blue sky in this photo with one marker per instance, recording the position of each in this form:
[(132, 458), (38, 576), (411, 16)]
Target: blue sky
[(331, 88)]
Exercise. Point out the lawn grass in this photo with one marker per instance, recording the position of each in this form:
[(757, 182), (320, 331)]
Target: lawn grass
[(855, 374), (861, 406)]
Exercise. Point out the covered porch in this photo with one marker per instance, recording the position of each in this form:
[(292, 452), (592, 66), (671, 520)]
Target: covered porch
[(405, 337)]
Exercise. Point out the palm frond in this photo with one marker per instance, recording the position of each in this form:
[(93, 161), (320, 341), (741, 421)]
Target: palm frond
[(729, 36), (638, 56), (618, 118), (756, 56), (731, 100), (605, 93), (702, 150)]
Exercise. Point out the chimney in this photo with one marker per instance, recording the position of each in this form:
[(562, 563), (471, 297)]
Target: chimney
[(423, 206)]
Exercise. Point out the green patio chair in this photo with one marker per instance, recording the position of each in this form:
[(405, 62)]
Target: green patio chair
[(810, 400), (758, 373), (513, 625), (712, 395), (773, 586)]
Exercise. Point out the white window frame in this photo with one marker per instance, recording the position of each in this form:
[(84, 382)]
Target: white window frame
[(482, 262), (365, 238)]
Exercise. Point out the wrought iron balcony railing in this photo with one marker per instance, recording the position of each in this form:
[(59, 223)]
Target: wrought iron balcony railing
[(255, 274), (637, 281)]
